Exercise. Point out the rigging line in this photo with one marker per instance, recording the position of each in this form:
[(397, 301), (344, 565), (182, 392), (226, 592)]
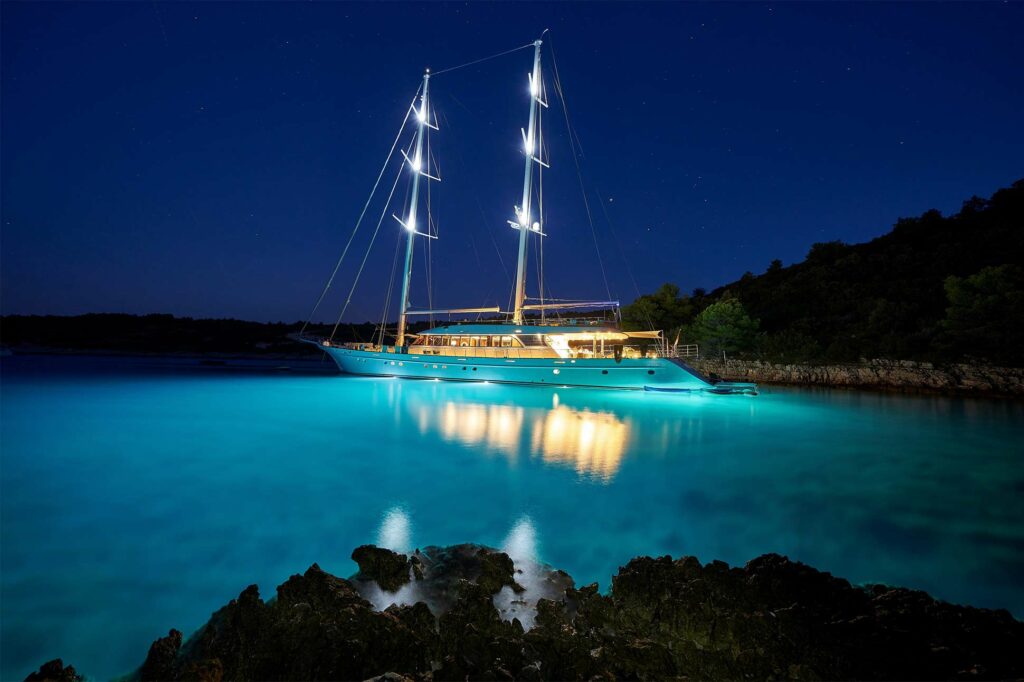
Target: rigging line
[(482, 59), (428, 251), (574, 138), (368, 248), (383, 168), (579, 171), (537, 251), (540, 240), (391, 287), (428, 275), (615, 236), (508, 305), (622, 252)]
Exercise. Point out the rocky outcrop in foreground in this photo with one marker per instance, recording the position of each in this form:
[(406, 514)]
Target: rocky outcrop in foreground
[(877, 374), (663, 618)]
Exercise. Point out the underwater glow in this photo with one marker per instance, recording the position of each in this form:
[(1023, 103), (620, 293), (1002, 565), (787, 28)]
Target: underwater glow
[(395, 531), (521, 547), (201, 481)]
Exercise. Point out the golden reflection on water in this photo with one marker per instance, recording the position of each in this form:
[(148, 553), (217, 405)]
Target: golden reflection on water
[(498, 427), (591, 442)]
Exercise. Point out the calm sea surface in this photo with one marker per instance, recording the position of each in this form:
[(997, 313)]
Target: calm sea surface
[(140, 495)]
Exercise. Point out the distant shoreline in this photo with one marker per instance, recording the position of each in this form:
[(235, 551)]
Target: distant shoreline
[(896, 376), (103, 352), (901, 376)]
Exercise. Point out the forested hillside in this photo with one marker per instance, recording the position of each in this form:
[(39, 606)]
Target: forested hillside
[(933, 288)]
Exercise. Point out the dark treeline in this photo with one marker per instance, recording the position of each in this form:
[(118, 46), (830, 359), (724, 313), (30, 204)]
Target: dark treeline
[(159, 333), (935, 288)]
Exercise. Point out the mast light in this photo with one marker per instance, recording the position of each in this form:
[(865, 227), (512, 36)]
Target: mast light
[(527, 141)]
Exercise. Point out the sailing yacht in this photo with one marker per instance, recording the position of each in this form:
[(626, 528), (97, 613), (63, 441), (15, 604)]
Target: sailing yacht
[(516, 348)]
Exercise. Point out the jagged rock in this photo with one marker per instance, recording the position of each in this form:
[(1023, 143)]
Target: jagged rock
[(496, 571), (54, 671), (776, 617), (159, 664), (965, 378), (440, 571), (663, 618), (388, 569)]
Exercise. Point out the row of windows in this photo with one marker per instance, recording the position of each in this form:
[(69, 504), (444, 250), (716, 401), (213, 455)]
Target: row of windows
[(487, 341)]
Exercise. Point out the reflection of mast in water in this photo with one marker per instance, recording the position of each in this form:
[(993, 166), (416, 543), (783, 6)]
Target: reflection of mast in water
[(593, 443)]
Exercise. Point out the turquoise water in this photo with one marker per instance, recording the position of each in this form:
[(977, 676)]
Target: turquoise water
[(140, 495)]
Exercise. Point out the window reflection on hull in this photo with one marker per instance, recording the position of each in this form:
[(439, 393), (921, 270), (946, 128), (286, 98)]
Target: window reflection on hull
[(591, 442)]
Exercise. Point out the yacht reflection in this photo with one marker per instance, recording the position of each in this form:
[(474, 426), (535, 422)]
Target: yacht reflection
[(591, 442), (498, 427)]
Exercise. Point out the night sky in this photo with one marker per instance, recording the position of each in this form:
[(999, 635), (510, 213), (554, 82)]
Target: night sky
[(210, 159)]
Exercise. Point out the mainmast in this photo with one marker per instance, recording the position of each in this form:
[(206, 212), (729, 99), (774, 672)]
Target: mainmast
[(523, 222), (416, 164)]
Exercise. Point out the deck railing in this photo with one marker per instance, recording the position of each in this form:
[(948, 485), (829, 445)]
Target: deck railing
[(687, 350), (683, 351)]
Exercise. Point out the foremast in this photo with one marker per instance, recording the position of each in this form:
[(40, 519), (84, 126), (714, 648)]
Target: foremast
[(416, 164), (523, 222)]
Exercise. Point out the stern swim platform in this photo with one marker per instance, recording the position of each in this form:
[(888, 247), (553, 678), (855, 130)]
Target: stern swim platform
[(533, 355)]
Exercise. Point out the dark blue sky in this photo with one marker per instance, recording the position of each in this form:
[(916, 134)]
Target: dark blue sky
[(211, 159)]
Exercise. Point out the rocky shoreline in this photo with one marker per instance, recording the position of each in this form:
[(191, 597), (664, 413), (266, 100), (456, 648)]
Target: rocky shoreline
[(891, 375), (469, 612)]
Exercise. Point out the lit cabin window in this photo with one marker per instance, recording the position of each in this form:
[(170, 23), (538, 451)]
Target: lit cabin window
[(452, 340), (464, 341), (506, 342)]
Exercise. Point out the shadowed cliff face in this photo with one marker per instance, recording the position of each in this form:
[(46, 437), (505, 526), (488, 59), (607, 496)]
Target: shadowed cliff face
[(663, 618)]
